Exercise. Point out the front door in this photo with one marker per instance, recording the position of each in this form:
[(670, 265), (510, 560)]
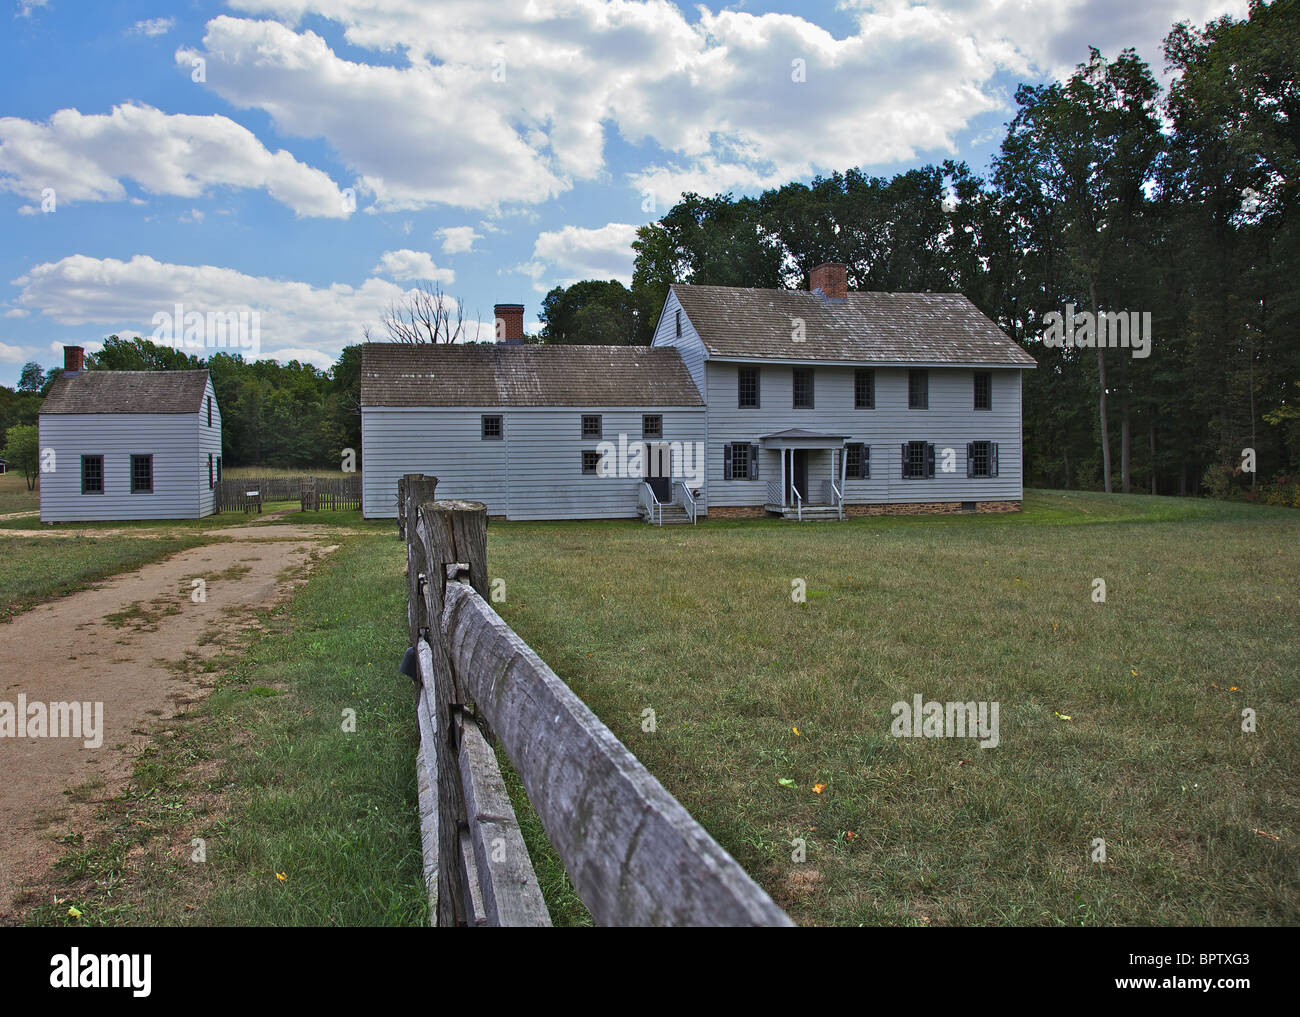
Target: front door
[(797, 476), (658, 470)]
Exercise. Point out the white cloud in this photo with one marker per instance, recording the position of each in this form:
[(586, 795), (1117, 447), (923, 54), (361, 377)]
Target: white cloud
[(16, 312), (13, 354), (408, 264), (458, 239), (153, 26), (123, 296), (85, 157), (509, 102), (25, 7), (566, 255)]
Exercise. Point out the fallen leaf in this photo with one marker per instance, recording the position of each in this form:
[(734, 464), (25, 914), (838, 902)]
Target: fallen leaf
[(74, 912), (281, 877), (1063, 716), (818, 788), (796, 731), (786, 782), (1264, 833)]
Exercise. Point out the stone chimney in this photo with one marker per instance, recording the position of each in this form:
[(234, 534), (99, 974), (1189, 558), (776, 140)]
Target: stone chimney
[(831, 280), (509, 323), (74, 359)]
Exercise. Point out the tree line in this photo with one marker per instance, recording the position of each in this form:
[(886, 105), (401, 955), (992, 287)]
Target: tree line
[(1108, 194)]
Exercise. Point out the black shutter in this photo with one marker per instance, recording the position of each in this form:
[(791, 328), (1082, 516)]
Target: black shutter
[(904, 454), (993, 459), (726, 462), (753, 462), (970, 459), (866, 462), (929, 459)]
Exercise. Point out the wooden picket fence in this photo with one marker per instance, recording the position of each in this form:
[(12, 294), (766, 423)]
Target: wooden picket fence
[(633, 852), (312, 493)]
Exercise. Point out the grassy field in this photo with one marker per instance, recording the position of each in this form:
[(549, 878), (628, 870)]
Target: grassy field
[(35, 569), (14, 496), (257, 472), (1118, 720)]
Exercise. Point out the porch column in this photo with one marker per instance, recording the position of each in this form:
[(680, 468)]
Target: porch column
[(783, 505)]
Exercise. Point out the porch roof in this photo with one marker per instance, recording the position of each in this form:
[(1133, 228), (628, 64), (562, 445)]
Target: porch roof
[(797, 437)]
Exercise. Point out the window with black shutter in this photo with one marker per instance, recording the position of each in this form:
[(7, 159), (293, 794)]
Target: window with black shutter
[(92, 474), (864, 389), (918, 390), (591, 425), (918, 460), (142, 474), (856, 461), (803, 388), (982, 459), (983, 390), (739, 461)]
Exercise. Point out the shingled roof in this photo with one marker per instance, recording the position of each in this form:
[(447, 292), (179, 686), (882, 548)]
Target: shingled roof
[(401, 374), (126, 392), (872, 328)]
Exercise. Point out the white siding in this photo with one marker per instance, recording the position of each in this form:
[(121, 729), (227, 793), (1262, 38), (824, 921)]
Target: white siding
[(688, 343), (535, 472), (209, 445), (171, 438), (950, 422)]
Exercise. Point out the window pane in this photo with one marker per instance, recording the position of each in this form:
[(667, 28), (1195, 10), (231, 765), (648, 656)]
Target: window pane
[(864, 389), (918, 390), (591, 425), (740, 461), (747, 394), (803, 388), (983, 390)]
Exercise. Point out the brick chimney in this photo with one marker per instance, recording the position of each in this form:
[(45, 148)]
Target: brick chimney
[(74, 359), (831, 279), (509, 323)]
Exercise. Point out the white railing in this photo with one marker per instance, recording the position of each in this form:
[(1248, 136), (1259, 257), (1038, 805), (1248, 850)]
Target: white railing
[(837, 499), (688, 502), (798, 502), (649, 504)]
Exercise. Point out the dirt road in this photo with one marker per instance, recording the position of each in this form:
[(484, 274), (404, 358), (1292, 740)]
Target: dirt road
[(130, 645)]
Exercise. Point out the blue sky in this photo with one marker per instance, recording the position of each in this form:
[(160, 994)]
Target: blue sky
[(311, 160)]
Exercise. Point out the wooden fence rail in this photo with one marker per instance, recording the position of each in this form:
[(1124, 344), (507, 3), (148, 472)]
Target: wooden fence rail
[(633, 852)]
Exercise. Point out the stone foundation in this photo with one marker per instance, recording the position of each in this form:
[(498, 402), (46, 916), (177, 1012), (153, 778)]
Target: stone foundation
[(736, 512), (998, 506)]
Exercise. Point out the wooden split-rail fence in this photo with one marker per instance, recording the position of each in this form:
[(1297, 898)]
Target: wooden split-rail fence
[(633, 852)]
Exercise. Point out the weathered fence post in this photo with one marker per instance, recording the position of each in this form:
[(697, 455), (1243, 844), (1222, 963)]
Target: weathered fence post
[(417, 488), (452, 533)]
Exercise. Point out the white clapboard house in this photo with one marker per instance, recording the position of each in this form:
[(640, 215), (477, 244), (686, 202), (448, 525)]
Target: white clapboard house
[(802, 403), (128, 444)]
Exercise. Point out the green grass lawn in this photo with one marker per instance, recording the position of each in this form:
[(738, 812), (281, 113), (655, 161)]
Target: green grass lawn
[(14, 496), (698, 624), (1200, 820), (36, 569)]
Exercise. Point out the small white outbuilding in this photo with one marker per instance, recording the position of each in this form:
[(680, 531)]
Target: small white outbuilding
[(128, 444)]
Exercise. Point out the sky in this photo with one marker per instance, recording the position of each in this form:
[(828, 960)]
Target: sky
[(306, 162)]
